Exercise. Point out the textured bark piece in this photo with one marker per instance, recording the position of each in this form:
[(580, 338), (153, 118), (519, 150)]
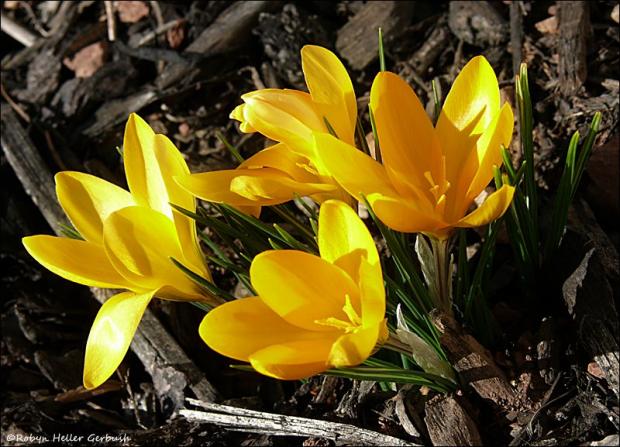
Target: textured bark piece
[(448, 423), (251, 421), (230, 30), (474, 365), (163, 358), (425, 56), (574, 23), (477, 23), (357, 41), (588, 296)]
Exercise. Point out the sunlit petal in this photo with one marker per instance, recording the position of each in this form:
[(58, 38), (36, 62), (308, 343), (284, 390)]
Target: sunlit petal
[(286, 116), (344, 239), (78, 261), (88, 201), (403, 215), (281, 157), (331, 89), (296, 359), (469, 109), (111, 335), (352, 349), (140, 242), (355, 171), (239, 328), (493, 208), (407, 139), (302, 288)]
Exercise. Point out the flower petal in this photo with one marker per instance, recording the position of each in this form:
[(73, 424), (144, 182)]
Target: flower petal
[(78, 261), (295, 359), (281, 157), (140, 242), (269, 187), (331, 89), (355, 171), (88, 201), (111, 335), (172, 164), (493, 208), (402, 215), (352, 349), (372, 293), (488, 153), (469, 108), (302, 288), (344, 240), (239, 328), (286, 116), (409, 146)]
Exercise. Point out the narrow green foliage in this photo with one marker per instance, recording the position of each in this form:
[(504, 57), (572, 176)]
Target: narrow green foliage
[(381, 52), (202, 282), (361, 136), (375, 135), (232, 149), (330, 128), (70, 232), (436, 100)]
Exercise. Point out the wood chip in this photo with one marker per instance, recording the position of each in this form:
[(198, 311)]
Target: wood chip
[(88, 60), (615, 14), (449, 424), (131, 11), (548, 26)]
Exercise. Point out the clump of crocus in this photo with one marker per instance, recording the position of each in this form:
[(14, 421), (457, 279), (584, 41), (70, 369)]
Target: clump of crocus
[(291, 168), (311, 313), (430, 175), (128, 240)]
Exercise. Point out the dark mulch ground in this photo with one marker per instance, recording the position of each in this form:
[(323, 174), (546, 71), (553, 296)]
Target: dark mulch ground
[(72, 90)]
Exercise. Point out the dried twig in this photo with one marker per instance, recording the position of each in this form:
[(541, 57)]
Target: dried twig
[(109, 13), (17, 31), (251, 421)]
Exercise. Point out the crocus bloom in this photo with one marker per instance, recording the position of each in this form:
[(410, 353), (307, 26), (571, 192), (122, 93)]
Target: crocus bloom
[(276, 174), (129, 238), (430, 176), (311, 312)]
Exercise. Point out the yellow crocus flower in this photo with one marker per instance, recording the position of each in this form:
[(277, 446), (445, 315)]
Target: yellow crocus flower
[(430, 176), (311, 312), (278, 173), (129, 238)]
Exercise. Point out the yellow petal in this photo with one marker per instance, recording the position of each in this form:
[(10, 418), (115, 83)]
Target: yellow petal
[(214, 186), (237, 114), (281, 157), (111, 335), (78, 261), (352, 349), (286, 116), (140, 242), (269, 187), (372, 293), (88, 201), (344, 239), (488, 153), (239, 328), (355, 171), (409, 146), (493, 208), (402, 215), (295, 359), (302, 288), (471, 105), (331, 89), (151, 163)]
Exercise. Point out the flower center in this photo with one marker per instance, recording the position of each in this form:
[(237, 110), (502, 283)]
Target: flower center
[(440, 188), (352, 325)]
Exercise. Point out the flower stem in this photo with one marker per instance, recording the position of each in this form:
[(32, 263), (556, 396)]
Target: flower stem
[(393, 343), (442, 274)]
